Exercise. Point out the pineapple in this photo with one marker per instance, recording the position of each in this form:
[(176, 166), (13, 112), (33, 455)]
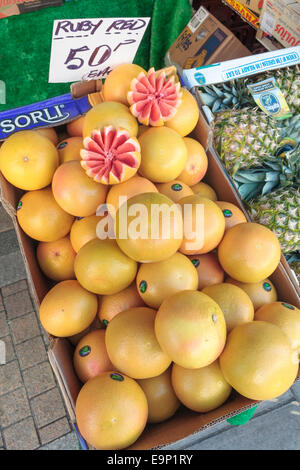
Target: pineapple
[(235, 94), (245, 138), (279, 211), (294, 261), (275, 173)]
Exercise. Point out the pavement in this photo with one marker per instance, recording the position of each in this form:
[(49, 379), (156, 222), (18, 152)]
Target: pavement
[(32, 411)]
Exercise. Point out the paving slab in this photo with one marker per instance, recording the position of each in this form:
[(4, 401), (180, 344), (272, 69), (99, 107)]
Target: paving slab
[(14, 407), (68, 442), (24, 328), (48, 407), (8, 242), (31, 352), (5, 220), (21, 436), (38, 379), (10, 377), (12, 268), (54, 431), (275, 430), (18, 304), (263, 407), (13, 288)]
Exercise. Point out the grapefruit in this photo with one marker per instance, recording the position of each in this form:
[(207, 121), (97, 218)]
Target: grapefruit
[(233, 214), (101, 267), (118, 81), (109, 113), (258, 361), (68, 309), (200, 390), (164, 154), (56, 259), (154, 98), (162, 401), (111, 305), (249, 252), (208, 269), (110, 155), (286, 317), (187, 115), (196, 164), (83, 230), (69, 149), (204, 190), (234, 303), (149, 227), (190, 327), (49, 133), (174, 190), (260, 293), (135, 185), (111, 411), (28, 160), (41, 217), (75, 128), (203, 224), (95, 325), (75, 192), (90, 356), (132, 346), (157, 281)]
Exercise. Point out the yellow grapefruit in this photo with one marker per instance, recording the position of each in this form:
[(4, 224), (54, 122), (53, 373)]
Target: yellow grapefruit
[(68, 309), (101, 267), (132, 346), (191, 329), (111, 411), (28, 160), (200, 390), (41, 217), (258, 361)]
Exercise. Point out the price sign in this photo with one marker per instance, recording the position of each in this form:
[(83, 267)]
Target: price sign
[(88, 49)]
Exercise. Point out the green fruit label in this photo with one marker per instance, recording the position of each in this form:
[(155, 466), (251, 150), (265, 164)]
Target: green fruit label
[(195, 262), (143, 286), (105, 322), (267, 286), (116, 376), (176, 187), (85, 351), (19, 205), (62, 145), (227, 213), (288, 306)]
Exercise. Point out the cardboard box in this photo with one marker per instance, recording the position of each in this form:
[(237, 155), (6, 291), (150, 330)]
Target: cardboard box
[(17, 7), (254, 5), (281, 19), (239, 68), (204, 41), (244, 12), (184, 422)]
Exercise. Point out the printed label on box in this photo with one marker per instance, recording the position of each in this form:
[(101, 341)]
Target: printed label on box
[(198, 19), (88, 49), (237, 68)]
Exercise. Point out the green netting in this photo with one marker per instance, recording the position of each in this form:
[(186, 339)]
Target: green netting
[(26, 42)]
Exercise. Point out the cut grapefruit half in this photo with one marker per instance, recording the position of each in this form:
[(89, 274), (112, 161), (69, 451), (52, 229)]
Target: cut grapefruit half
[(110, 156), (154, 99)]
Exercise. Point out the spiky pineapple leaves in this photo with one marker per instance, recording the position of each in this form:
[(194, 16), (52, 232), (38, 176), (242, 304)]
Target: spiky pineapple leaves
[(275, 173)]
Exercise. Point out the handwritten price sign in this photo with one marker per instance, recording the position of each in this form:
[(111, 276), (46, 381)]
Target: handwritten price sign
[(88, 49)]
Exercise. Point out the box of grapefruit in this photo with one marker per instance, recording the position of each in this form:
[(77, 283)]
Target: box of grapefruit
[(162, 299)]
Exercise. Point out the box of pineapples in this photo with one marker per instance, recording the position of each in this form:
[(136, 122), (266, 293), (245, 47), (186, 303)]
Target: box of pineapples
[(154, 334)]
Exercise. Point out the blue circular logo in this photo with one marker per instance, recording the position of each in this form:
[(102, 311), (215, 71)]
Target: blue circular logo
[(270, 102), (200, 78)]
